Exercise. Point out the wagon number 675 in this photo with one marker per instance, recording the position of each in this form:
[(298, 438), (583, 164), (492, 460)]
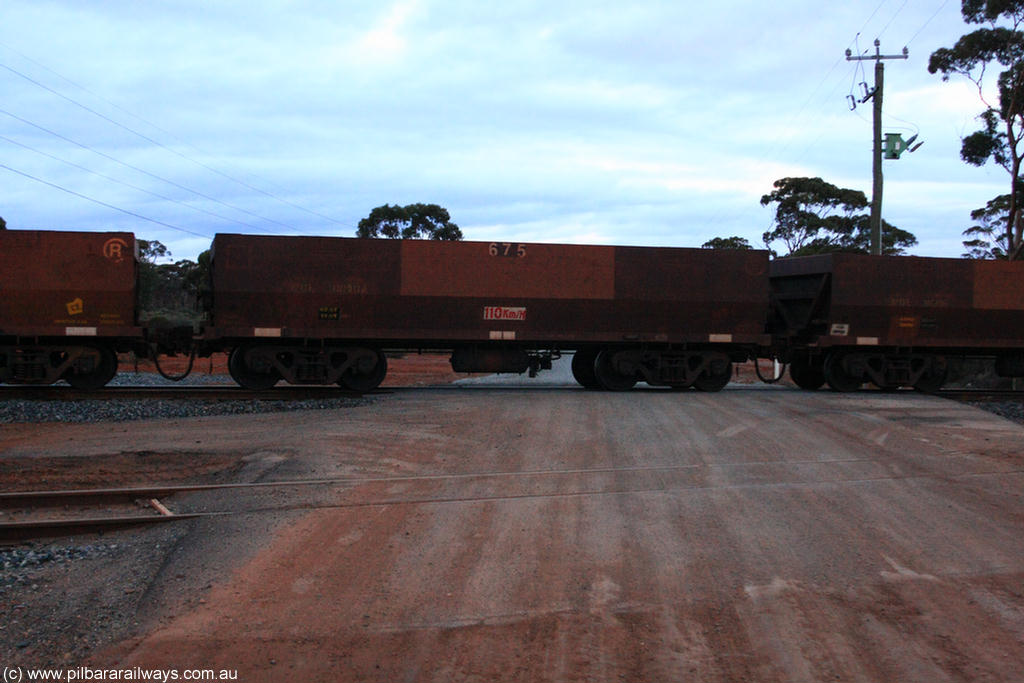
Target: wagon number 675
[(507, 249)]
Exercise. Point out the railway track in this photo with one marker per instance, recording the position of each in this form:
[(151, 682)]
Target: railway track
[(231, 392), (227, 392), (984, 395), (84, 502), (138, 506)]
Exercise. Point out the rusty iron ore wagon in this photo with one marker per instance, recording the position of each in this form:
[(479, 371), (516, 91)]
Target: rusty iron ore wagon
[(324, 309), (847, 319), (318, 310), (67, 305)]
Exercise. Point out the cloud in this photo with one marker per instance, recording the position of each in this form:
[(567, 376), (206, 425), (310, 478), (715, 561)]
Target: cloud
[(385, 42)]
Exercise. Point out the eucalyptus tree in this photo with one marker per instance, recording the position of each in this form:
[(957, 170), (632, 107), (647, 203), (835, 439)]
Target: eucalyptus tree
[(993, 55)]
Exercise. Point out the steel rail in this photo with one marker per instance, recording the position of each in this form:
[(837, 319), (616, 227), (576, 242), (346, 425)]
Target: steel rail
[(57, 498), (981, 394), (56, 527), (226, 392), (49, 528), (11, 532)]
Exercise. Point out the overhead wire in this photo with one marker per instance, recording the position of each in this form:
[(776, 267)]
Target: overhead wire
[(858, 67), (855, 69), (871, 16), (159, 144), (891, 19), (925, 24), (102, 203), (125, 184), (141, 170)]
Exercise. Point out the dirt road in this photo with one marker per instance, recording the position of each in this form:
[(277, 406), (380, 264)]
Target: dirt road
[(561, 535)]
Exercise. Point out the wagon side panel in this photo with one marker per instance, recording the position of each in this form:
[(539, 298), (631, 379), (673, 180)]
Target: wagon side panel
[(67, 283)]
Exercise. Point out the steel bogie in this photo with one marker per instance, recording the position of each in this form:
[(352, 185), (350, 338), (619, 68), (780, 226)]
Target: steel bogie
[(1010, 364), (261, 366), (619, 369), (366, 371), (716, 375), (844, 371), (930, 374), (616, 370), (251, 369), (583, 368), (807, 373), (706, 370), (848, 370), (84, 367), (92, 368)]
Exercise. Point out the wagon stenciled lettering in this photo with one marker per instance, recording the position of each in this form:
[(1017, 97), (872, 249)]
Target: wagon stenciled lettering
[(504, 313), (508, 249)]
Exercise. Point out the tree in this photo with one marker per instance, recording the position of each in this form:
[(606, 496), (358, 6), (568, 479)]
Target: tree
[(1002, 132), (415, 221), (3, 223), (169, 291), (727, 243), (816, 217), (151, 250), (987, 238)]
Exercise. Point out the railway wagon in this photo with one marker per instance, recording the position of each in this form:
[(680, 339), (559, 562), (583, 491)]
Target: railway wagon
[(323, 310), (67, 305), (846, 319)]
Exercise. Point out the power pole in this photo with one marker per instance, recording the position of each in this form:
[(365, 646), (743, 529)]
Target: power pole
[(876, 170)]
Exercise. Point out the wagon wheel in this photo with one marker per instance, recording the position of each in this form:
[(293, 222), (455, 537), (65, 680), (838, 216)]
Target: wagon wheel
[(807, 375), (715, 378), (101, 372), (608, 376), (934, 377), (583, 368), (361, 381), (838, 378), (247, 376)]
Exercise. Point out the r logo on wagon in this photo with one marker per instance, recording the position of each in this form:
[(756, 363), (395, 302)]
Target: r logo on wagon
[(114, 249), (504, 313)]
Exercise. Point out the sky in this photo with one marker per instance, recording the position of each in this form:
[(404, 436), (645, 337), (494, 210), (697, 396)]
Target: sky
[(658, 123)]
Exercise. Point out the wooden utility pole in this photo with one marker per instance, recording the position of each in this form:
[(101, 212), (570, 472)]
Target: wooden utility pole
[(876, 169)]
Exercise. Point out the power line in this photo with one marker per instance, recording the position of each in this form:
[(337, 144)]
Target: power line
[(102, 203), (891, 19), (925, 24), (109, 102), (163, 146), (872, 16), (125, 184), (857, 68), (143, 171)]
